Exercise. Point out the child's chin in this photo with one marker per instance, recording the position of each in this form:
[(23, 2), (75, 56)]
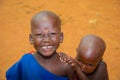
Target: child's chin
[(47, 55)]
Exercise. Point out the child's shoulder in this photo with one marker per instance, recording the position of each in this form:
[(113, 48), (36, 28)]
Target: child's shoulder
[(101, 72), (26, 56), (69, 70), (102, 65)]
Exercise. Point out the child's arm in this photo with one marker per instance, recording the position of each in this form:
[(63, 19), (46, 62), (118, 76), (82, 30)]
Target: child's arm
[(80, 75), (69, 70), (73, 63), (70, 73)]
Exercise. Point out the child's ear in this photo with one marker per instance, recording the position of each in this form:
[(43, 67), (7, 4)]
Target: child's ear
[(61, 37), (30, 39)]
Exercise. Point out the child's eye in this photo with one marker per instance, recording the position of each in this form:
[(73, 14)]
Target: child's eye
[(52, 34), (90, 65), (39, 35), (79, 60)]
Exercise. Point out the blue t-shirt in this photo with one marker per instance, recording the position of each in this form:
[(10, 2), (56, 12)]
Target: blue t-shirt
[(27, 68)]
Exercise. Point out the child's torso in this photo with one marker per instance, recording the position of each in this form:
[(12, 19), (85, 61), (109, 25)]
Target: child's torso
[(47, 70)]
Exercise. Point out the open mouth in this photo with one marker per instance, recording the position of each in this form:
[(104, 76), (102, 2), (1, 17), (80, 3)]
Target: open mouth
[(47, 47), (47, 50)]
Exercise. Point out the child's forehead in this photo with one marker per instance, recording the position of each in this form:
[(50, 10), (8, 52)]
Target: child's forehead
[(89, 59), (44, 28)]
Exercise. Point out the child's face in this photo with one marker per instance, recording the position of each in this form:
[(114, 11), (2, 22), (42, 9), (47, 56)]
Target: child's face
[(46, 36), (87, 62)]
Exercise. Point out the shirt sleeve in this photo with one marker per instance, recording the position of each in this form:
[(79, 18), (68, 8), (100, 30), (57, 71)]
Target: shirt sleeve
[(13, 73)]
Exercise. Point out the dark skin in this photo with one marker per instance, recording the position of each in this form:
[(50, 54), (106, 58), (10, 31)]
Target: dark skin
[(46, 37), (88, 63)]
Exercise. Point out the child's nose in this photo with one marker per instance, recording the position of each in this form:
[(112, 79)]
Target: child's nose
[(46, 37)]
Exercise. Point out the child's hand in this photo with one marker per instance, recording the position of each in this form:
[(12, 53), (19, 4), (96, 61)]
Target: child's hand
[(63, 57), (73, 63), (67, 59)]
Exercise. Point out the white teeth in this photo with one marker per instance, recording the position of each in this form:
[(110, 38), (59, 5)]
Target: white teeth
[(47, 47)]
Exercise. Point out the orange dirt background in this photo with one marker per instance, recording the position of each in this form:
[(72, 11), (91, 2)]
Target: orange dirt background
[(79, 18)]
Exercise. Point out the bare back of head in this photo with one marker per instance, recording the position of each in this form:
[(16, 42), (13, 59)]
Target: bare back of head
[(92, 46)]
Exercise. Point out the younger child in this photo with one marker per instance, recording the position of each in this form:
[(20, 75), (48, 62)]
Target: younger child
[(44, 64), (88, 63)]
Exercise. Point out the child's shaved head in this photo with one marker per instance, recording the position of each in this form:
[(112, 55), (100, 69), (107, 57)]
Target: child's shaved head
[(46, 34), (90, 52), (44, 16), (94, 46)]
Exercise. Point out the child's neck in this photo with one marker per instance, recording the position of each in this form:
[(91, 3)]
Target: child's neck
[(47, 62), (41, 58)]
